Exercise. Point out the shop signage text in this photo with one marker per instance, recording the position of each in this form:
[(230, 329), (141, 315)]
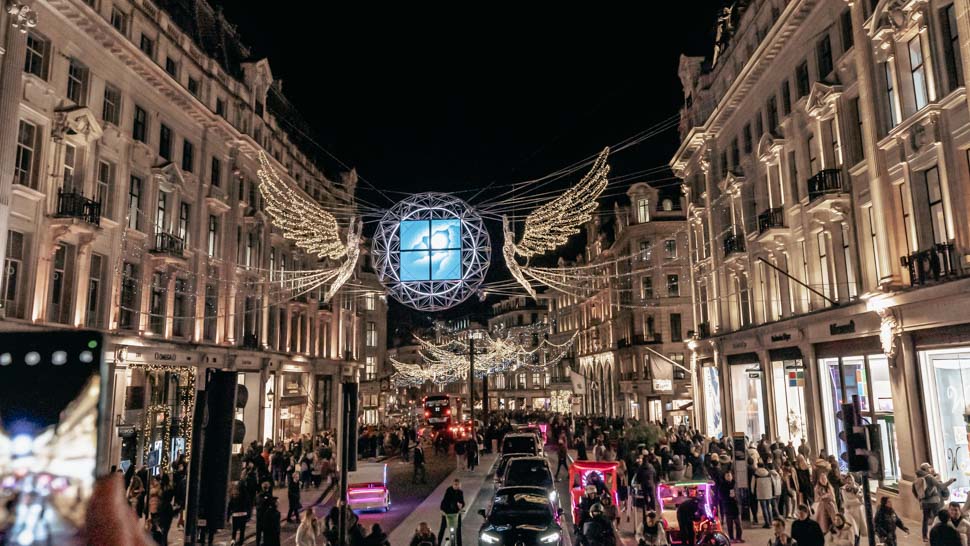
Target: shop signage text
[(739, 345), (780, 337), (840, 329), (165, 356)]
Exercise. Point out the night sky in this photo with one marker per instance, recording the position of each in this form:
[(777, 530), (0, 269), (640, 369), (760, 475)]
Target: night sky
[(443, 99)]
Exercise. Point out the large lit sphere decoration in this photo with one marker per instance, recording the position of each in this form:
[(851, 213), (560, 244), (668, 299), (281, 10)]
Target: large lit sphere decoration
[(431, 251)]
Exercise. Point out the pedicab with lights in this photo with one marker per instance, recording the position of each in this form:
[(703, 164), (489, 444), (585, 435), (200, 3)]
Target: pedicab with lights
[(707, 527), (367, 488), (583, 473)]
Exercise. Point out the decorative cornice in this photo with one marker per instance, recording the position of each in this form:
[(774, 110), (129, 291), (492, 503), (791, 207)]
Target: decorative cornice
[(822, 100), (22, 16), (77, 124)]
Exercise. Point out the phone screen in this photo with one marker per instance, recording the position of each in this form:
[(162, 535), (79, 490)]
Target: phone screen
[(50, 399)]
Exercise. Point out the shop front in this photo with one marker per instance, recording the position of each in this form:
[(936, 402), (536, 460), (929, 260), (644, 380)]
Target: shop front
[(711, 381), (857, 368), (156, 405), (944, 362), (788, 374), (747, 394)]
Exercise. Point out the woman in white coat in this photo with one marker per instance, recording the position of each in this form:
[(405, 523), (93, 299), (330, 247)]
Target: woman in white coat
[(306, 533), (843, 532), (852, 504)]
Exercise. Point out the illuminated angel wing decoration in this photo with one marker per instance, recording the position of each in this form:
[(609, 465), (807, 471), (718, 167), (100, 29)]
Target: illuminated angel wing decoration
[(304, 221), (551, 225), (312, 228)]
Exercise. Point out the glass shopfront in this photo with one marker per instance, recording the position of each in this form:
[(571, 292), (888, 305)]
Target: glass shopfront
[(294, 397), (788, 387), (747, 395), (946, 383), (866, 376), (159, 402)]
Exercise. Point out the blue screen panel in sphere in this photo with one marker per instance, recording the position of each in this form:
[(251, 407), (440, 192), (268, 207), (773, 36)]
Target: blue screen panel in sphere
[(415, 235), (416, 265), (446, 265), (446, 234)]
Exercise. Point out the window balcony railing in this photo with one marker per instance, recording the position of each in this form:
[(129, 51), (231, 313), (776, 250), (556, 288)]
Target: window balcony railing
[(72, 204), (733, 243), (771, 218), (826, 181), (931, 265), (647, 339), (166, 243)]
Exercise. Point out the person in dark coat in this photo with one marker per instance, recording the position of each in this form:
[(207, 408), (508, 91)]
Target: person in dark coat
[(944, 534), (271, 523), (581, 449), (885, 522), (262, 503), (419, 467), (730, 510), (452, 503), (293, 496), (805, 530), (239, 512)]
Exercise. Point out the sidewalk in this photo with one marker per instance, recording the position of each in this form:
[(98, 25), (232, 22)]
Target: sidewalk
[(429, 510)]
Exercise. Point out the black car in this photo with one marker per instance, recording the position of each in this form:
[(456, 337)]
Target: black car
[(521, 516)]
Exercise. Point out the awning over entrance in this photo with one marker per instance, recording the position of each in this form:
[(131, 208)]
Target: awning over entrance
[(743, 358), (785, 353)]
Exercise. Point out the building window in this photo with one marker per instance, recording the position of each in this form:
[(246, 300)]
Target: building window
[(38, 56), (670, 248), (813, 164), (184, 222), (27, 155), (805, 276), (855, 140), (70, 183), (171, 67), (372, 334), (215, 174), (188, 156), (676, 330), (643, 210), (134, 203), (747, 138), (139, 128), (111, 105), (802, 82), (211, 312), (106, 184), (181, 312), (917, 71), (845, 23), (874, 243), (77, 82), (13, 275), (119, 20), (759, 128), (744, 301), (370, 368), (213, 240), (673, 286), (849, 269), (165, 142), (193, 86), (646, 250), (890, 104), (646, 288), (823, 265), (823, 51), (220, 107), (785, 98), (156, 309), (370, 301), (934, 206), (128, 313), (147, 46), (771, 110), (161, 213), (951, 47), (93, 318), (735, 153)]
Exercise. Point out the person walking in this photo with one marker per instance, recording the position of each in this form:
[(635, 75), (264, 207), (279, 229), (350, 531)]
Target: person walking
[(377, 537), (239, 510), (730, 509), (764, 490), (842, 532), (293, 498), (419, 467), (306, 533), (271, 523), (563, 456), (581, 449), (930, 492), (460, 460), (423, 536), (825, 496), (471, 451), (262, 503), (805, 530), (942, 533), (652, 532), (780, 537), (886, 521), (852, 504)]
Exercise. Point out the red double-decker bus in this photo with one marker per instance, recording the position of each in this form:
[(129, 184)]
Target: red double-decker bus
[(437, 410)]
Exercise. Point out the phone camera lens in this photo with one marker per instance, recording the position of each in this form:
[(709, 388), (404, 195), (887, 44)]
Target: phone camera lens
[(59, 358), (86, 356), (6, 359), (32, 358)]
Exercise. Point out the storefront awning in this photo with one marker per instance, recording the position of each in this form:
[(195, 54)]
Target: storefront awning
[(743, 358), (785, 353)]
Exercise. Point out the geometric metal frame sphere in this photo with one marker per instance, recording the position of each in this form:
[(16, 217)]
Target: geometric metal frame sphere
[(475, 251)]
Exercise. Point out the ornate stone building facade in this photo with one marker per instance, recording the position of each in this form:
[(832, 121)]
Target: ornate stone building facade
[(634, 316), (824, 157), (129, 134)]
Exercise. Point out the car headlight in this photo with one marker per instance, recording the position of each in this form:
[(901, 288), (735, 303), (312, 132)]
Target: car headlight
[(490, 538), (550, 538), (553, 496)]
